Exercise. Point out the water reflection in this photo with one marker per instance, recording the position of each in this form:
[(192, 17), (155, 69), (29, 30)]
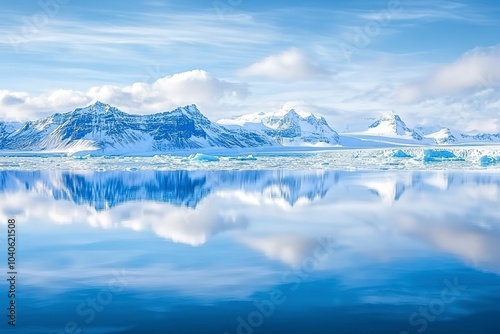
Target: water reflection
[(198, 243)]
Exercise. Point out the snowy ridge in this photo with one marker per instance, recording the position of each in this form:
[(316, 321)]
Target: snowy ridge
[(103, 129), (483, 137), (287, 127), (6, 128)]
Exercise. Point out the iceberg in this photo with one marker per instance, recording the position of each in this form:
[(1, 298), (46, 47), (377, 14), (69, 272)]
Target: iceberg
[(247, 158), (440, 155), (203, 157), (488, 161), (408, 158), (400, 154)]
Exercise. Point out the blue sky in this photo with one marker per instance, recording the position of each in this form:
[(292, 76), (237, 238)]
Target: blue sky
[(430, 61)]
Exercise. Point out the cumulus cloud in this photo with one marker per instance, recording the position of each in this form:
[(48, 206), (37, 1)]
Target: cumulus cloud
[(472, 243), (195, 228), (289, 249), (166, 93), (288, 65), (178, 224), (477, 69)]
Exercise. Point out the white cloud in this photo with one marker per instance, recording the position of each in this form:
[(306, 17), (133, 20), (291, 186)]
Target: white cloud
[(193, 227), (474, 113), (477, 69), (166, 93), (178, 224), (289, 249), (288, 65)]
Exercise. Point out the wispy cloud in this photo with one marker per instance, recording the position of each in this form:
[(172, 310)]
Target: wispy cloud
[(286, 53), (150, 30), (436, 11)]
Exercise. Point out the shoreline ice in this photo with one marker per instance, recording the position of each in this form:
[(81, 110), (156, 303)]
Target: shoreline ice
[(400, 158)]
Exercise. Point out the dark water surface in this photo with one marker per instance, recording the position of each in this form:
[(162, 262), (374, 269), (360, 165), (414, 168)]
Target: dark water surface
[(253, 252)]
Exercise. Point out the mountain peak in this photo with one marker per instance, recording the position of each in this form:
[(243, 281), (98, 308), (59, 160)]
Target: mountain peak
[(193, 108), (390, 115), (291, 113), (390, 124), (442, 136), (98, 105), (190, 110), (298, 111)]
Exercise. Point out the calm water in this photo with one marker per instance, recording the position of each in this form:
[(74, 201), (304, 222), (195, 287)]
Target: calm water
[(254, 252)]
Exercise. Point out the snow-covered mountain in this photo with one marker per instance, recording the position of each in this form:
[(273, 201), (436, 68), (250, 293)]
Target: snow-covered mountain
[(6, 128), (440, 135), (388, 129), (101, 129), (104, 129), (391, 125), (287, 127), (391, 128), (443, 136), (482, 137)]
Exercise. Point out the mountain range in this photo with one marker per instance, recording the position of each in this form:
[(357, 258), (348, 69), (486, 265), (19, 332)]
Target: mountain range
[(101, 129), (287, 127)]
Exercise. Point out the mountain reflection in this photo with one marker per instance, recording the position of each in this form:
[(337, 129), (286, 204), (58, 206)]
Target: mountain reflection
[(104, 190), (222, 239)]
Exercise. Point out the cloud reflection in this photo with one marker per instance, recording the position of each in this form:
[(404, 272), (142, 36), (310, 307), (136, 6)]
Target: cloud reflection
[(238, 226)]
